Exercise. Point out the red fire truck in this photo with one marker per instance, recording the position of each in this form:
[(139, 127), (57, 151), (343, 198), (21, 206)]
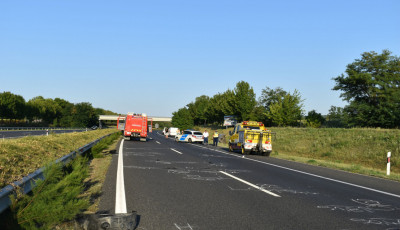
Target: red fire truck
[(134, 126)]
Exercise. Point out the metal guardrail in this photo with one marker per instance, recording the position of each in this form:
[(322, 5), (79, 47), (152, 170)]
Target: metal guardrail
[(36, 128), (28, 183)]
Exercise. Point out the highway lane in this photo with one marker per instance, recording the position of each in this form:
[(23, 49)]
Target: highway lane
[(187, 186), (24, 133)]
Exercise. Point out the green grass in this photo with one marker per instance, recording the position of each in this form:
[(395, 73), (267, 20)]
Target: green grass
[(103, 144), (364, 147), (66, 192), (19, 157)]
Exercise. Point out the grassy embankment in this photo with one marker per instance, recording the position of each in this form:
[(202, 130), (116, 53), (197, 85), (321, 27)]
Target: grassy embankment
[(358, 150), (19, 157), (67, 191)]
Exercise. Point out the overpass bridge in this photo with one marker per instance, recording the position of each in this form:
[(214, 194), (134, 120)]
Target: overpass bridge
[(115, 118)]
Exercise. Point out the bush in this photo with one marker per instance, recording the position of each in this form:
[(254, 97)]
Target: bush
[(103, 144), (55, 199)]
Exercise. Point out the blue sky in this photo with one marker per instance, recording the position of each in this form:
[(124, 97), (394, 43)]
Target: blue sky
[(157, 56)]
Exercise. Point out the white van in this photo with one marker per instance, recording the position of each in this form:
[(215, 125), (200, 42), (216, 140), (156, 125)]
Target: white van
[(173, 131)]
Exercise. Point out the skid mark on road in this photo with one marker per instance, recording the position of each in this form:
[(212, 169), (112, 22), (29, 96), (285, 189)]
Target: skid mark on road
[(203, 178), (274, 188), (143, 154), (363, 205), (388, 222), (183, 227), (139, 167)]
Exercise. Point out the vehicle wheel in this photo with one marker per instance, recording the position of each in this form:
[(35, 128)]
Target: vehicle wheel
[(190, 140), (267, 153)]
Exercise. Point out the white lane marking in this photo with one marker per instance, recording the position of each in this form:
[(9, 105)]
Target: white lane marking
[(310, 174), (158, 142), (120, 200), (250, 184), (327, 178), (176, 151)]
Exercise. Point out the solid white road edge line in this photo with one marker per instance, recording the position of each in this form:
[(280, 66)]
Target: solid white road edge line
[(250, 184), (314, 175), (176, 151), (120, 200)]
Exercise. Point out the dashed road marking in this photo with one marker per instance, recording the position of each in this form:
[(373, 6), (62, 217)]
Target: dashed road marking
[(176, 151), (250, 184), (306, 173)]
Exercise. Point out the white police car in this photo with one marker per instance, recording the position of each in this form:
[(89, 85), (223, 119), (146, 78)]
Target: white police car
[(190, 136)]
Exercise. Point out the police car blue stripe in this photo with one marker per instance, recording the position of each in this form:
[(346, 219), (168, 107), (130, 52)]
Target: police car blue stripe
[(183, 137)]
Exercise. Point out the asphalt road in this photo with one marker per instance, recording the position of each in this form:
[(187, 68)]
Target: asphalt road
[(24, 133), (191, 186)]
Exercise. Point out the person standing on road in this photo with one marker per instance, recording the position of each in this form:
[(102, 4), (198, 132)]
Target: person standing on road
[(205, 135), (166, 132), (215, 138)]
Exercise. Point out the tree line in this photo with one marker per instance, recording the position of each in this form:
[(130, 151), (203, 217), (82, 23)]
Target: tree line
[(41, 111), (370, 85)]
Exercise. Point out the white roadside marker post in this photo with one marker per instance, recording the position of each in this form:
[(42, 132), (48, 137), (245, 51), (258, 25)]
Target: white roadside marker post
[(388, 163)]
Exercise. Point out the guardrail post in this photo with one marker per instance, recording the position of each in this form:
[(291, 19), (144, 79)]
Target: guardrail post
[(388, 163)]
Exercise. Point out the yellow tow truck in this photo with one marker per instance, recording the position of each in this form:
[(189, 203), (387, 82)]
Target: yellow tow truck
[(250, 136)]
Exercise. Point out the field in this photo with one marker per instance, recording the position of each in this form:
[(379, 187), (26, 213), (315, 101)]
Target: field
[(358, 150), (19, 157)]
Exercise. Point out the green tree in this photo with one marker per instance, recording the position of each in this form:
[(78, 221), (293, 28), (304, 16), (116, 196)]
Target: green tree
[(269, 96), (314, 119), (335, 117), (219, 105), (198, 109), (84, 115), (214, 112), (259, 114), (12, 106), (182, 119), (100, 111), (45, 109), (245, 100), (372, 88), (282, 108), (65, 117)]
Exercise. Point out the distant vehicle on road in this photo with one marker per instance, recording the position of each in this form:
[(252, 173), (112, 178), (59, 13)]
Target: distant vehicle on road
[(190, 136), (135, 126), (250, 136), (173, 131)]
